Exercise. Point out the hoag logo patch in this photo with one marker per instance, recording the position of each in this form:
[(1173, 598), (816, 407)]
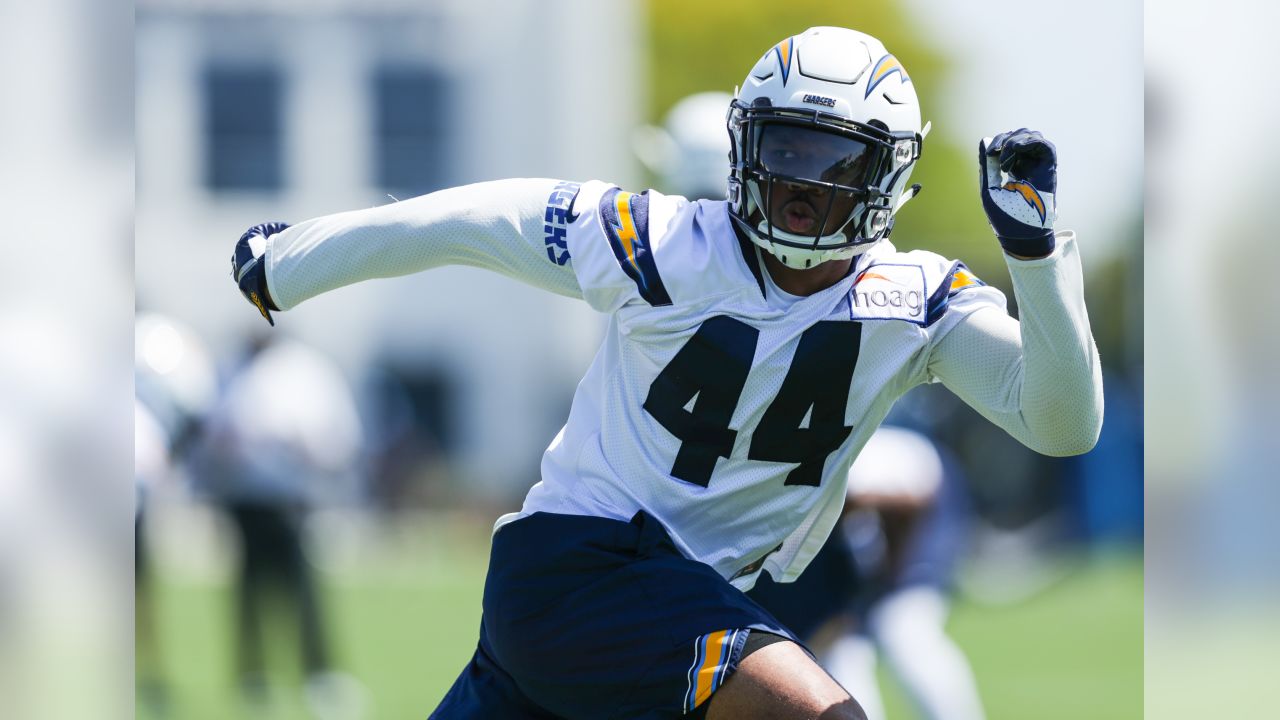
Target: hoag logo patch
[(889, 292)]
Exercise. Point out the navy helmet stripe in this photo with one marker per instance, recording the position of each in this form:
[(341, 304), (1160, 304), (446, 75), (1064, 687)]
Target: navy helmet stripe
[(625, 219)]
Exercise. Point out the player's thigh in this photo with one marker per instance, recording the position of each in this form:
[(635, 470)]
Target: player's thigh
[(782, 681)]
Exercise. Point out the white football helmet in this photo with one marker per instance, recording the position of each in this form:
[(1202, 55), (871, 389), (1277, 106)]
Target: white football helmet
[(832, 113), (896, 463), (694, 125)]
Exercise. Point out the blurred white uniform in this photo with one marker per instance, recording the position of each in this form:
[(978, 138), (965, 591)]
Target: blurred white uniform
[(286, 430), (174, 376), (722, 406), (150, 452), (175, 385)]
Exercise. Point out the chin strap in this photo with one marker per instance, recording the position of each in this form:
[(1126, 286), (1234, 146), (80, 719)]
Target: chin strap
[(790, 256)]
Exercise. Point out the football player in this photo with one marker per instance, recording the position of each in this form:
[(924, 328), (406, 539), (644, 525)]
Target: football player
[(753, 346), (284, 435)]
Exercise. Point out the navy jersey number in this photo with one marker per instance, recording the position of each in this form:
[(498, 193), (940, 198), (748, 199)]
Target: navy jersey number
[(696, 393), (711, 367), (817, 385)]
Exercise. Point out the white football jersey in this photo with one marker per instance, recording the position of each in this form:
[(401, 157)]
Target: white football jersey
[(725, 408)]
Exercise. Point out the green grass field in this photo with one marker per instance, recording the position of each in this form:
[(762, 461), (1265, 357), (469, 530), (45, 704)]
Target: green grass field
[(404, 619)]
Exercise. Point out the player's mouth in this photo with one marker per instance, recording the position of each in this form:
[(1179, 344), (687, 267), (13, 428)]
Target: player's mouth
[(799, 217)]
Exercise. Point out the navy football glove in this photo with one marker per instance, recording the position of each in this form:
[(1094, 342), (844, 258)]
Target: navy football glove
[(1019, 176), (248, 266)]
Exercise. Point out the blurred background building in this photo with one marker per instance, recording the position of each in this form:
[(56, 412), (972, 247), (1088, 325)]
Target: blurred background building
[(295, 109)]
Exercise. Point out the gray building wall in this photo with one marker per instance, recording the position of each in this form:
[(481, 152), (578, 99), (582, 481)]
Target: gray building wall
[(544, 89)]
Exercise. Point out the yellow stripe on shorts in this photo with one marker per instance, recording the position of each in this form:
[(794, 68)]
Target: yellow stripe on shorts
[(712, 653)]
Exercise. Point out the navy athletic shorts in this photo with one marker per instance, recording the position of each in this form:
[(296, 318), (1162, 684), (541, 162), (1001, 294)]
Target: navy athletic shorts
[(586, 617), (827, 589)]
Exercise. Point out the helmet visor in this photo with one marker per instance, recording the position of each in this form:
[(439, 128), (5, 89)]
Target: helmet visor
[(808, 153)]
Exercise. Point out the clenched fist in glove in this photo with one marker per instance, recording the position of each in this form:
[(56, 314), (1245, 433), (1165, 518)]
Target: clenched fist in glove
[(1019, 176), (248, 266)]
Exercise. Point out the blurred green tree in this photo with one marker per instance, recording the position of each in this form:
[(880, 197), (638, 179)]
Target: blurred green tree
[(710, 45)]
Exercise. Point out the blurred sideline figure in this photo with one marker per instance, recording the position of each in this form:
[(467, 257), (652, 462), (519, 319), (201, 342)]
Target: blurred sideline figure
[(174, 387), (284, 435), (150, 464), (619, 587), (881, 583)]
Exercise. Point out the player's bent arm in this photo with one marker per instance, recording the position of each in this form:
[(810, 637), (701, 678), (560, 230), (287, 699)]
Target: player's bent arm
[(1039, 377), (495, 225)]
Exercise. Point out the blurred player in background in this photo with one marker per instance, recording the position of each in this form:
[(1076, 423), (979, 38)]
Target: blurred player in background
[(175, 385), (688, 153), (905, 524), (908, 525), (284, 435), (754, 345)]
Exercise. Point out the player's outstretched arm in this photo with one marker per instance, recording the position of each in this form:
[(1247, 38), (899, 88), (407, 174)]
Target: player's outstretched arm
[(1038, 377), (494, 225)]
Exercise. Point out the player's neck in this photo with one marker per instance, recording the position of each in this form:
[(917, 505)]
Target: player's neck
[(805, 282)]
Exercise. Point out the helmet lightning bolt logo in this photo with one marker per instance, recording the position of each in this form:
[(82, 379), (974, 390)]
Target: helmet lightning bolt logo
[(783, 50), (1029, 194), (885, 67)]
